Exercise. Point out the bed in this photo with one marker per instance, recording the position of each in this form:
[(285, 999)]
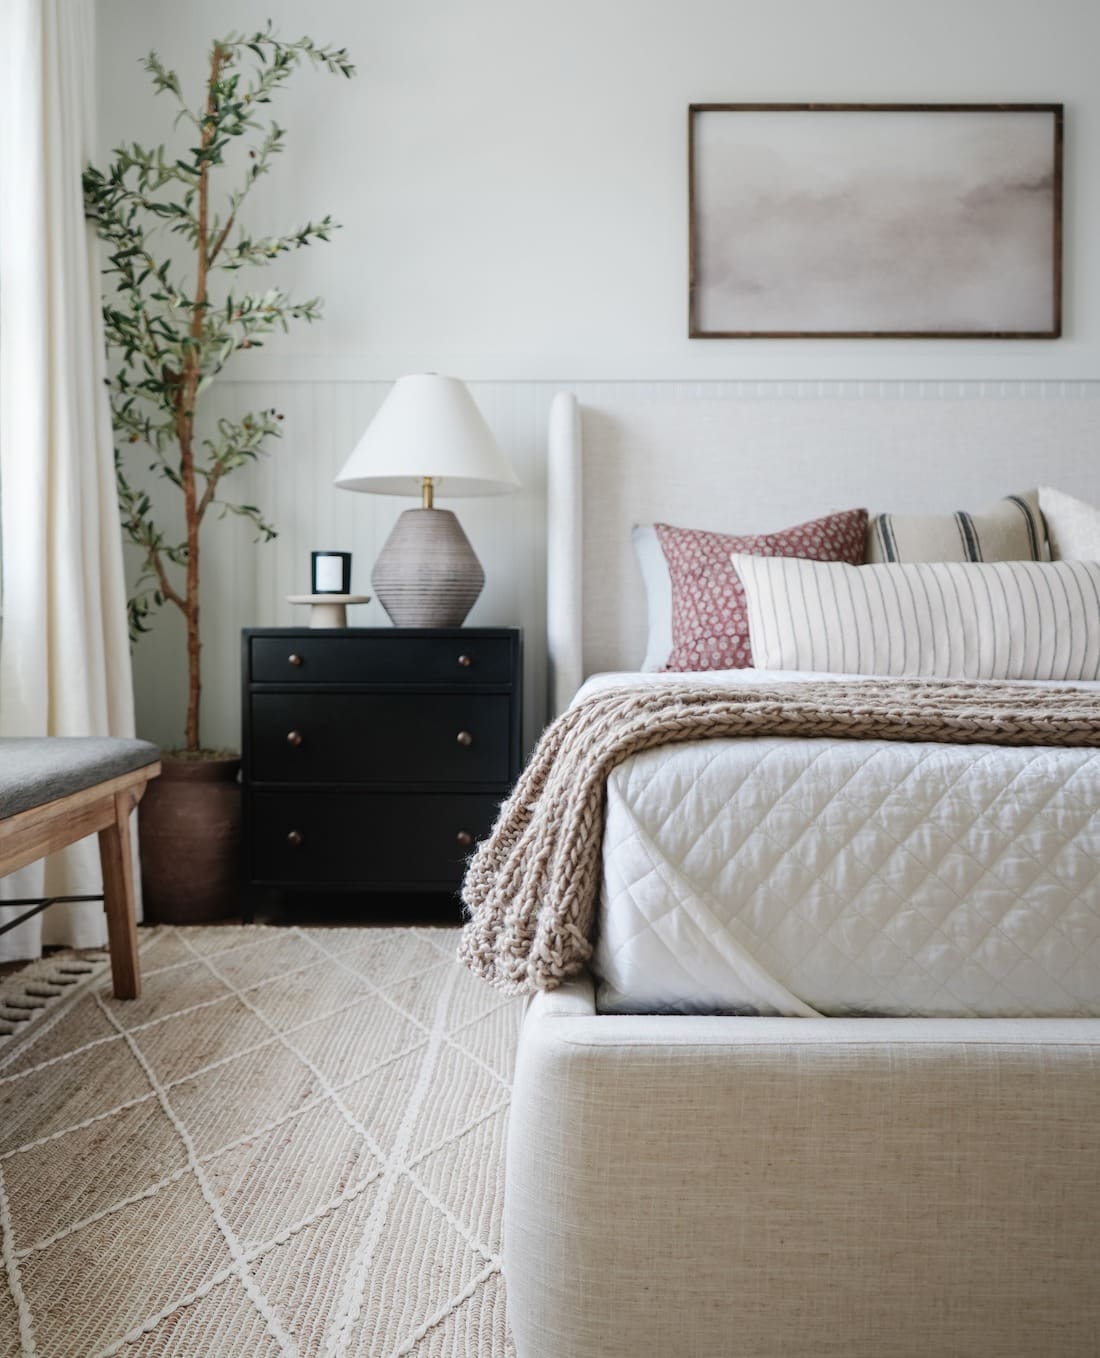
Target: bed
[(695, 1180)]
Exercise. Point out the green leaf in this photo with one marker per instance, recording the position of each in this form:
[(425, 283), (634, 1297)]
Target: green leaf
[(163, 343)]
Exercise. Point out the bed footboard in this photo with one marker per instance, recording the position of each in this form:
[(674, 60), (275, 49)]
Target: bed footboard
[(797, 1187)]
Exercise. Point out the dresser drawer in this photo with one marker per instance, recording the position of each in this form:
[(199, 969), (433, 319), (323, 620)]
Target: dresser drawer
[(380, 738), (366, 838), (380, 660)]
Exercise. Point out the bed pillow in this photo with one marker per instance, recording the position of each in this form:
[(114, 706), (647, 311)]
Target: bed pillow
[(658, 595), (1011, 531), (1073, 526), (944, 620), (703, 602)]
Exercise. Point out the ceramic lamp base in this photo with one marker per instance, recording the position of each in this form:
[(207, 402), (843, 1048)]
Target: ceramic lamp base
[(427, 574)]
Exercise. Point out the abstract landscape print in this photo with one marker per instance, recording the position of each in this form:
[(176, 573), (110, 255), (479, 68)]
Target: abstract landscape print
[(875, 220)]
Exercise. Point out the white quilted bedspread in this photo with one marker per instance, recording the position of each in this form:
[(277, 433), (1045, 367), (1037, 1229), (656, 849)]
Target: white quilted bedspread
[(786, 876)]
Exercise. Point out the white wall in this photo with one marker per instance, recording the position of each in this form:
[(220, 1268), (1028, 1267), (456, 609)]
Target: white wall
[(511, 178), (512, 175)]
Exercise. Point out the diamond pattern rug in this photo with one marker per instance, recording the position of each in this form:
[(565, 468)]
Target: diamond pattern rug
[(292, 1144)]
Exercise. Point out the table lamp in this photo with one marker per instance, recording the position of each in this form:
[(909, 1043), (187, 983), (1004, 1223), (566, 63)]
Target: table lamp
[(428, 436)]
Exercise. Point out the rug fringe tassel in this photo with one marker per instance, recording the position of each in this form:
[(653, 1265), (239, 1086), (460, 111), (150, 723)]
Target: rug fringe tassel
[(27, 995)]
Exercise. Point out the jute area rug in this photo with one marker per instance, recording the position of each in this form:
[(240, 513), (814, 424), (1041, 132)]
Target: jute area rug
[(292, 1144)]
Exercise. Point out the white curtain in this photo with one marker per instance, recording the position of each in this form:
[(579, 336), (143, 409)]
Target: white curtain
[(64, 651)]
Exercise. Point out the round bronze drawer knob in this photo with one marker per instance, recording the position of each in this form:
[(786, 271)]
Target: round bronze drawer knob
[(294, 839), (294, 738), (465, 661), (465, 839), (464, 738), (295, 660)]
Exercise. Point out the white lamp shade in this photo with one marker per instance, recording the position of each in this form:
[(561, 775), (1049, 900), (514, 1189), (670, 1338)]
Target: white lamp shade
[(428, 425)]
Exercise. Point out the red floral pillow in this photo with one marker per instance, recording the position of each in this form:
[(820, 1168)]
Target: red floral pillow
[(710, 624)]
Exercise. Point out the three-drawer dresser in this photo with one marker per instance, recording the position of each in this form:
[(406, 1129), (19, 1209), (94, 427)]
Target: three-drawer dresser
[(374, 759)]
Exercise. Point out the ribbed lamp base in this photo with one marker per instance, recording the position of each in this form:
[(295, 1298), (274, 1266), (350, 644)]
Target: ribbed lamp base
[(427, 574)]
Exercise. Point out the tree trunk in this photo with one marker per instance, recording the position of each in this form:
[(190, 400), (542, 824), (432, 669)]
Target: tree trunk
[(194, 645), (185, 422)]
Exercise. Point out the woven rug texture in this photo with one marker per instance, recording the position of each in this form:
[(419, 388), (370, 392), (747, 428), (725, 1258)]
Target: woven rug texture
[(292, 1144)]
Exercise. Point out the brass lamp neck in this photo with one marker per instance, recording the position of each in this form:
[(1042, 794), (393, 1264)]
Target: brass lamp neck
[(427, 491)]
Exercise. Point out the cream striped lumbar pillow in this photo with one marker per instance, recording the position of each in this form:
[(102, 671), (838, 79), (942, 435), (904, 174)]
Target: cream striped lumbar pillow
[(945, 620), (1012, 530)]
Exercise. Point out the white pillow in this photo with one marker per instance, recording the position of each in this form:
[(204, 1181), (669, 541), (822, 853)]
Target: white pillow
[(658, 595), (943, 620), (1073, 526)]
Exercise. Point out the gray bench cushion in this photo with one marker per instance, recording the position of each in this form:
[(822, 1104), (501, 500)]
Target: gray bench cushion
[(36, 771)]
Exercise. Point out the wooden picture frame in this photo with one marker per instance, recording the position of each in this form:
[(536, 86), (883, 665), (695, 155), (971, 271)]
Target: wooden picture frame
[(875, 221)]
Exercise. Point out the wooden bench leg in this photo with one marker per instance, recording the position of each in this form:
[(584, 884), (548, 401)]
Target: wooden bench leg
[(118, 899)]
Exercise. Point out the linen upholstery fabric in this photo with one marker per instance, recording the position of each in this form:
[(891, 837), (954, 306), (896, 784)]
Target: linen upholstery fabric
[(1011, 531), (34, 771), (709, 627), (992, 620), (1072, 526), (738, 457), (815, 1188)]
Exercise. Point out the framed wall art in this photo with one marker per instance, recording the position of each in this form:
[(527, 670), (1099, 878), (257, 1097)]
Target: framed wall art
[(875, 221)]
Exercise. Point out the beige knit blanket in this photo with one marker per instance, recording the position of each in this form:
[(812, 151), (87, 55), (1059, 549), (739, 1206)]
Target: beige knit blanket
[(532, 886)]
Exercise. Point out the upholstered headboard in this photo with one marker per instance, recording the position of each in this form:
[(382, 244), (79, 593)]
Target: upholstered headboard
[(753, 464)]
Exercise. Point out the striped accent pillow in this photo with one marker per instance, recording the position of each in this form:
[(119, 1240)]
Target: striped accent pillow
[(1012, 530), (943, 620)]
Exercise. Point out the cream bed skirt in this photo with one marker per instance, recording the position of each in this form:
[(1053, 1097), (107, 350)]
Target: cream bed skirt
[(895, 1188)]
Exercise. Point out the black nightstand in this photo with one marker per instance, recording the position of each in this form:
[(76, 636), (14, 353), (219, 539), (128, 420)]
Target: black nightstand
[(373, 759)]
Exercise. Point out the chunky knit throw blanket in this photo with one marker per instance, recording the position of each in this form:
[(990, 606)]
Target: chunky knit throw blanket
[(531, 887)]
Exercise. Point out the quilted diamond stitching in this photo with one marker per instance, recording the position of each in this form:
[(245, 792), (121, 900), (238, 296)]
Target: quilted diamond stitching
[(907, 865)]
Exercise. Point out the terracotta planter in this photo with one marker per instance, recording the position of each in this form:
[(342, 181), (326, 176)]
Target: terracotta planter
[(190, 834)]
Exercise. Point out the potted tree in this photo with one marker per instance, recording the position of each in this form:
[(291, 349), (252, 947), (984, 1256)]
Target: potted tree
[(175, 312)]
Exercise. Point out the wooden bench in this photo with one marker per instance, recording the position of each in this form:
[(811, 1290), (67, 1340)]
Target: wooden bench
[(56, 790)]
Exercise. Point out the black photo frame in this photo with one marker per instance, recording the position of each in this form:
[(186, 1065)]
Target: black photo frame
[(330, 572)]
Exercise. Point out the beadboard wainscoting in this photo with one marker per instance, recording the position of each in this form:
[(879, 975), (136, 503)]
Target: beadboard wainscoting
[(925, 445)]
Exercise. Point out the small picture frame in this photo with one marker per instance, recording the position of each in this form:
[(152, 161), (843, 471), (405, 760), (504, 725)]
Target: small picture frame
[(330, 572)]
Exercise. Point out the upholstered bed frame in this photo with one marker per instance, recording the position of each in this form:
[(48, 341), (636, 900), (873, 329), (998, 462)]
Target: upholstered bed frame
[(791, 1187)]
